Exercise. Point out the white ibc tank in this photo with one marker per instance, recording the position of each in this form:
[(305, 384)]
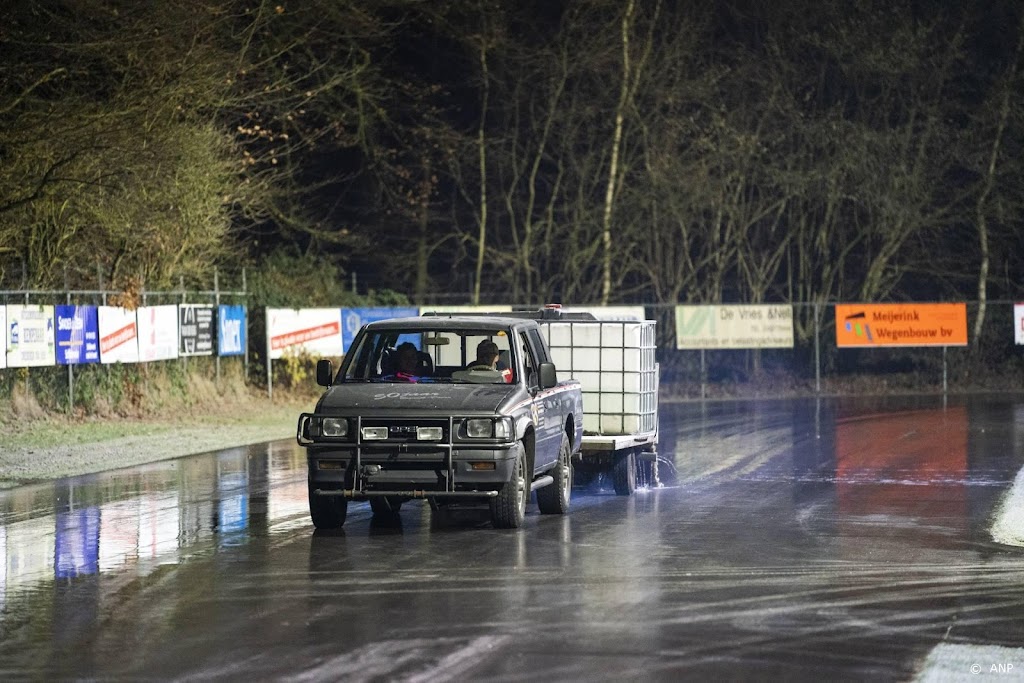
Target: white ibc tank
[(614, 362)]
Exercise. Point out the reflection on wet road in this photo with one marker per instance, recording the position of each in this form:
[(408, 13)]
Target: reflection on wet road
[(798, 539)]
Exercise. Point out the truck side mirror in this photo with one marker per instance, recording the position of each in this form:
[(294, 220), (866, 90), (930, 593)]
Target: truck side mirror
[(548, 378), (324, 372)]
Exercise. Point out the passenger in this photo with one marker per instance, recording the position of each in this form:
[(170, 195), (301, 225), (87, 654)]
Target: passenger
[(487, 359), (406, 362)]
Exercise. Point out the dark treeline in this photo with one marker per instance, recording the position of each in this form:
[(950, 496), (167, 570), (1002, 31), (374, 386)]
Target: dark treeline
[(588, 152)]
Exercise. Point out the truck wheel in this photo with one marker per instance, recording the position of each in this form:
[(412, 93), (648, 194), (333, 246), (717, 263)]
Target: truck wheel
[(553, 499), (624, 472), (385, 506), (327, 512), (509, 507)]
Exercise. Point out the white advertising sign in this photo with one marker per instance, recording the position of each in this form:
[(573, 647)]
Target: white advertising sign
[(158, 332), (119, 335), (1018, 323), (3, 337), (30, 336), (316, 331), (735, 326)]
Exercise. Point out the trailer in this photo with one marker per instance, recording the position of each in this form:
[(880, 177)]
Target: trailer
[(613, 358)]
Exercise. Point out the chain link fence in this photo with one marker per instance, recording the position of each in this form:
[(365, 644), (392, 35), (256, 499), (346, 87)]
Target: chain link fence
[(991, 361)]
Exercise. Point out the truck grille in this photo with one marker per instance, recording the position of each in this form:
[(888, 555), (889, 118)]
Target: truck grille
[(404, 430)]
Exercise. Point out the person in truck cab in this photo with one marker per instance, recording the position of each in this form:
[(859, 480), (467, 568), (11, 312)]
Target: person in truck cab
[(487, 359), (406, 363)]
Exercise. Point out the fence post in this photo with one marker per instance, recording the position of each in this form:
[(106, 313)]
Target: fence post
[(245, 358), (817, 348), (184, 359), (944, 374), (703, 376), (99, 277), (216, 304), (71, 370), (270, 375)]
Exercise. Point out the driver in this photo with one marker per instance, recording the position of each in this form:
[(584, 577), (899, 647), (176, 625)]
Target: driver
[(487, 359)]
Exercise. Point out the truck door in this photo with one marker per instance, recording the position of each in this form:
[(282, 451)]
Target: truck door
[(545, 409)]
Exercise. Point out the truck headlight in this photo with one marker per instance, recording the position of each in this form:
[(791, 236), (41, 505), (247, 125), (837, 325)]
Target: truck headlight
[(375, 433), (429, 433), (488, 428), (334, 426)]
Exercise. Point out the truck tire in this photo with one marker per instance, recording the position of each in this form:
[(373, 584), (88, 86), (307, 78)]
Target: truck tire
[(508, 508), (327, 512), (554, 498), (385, 506), (624, 472)]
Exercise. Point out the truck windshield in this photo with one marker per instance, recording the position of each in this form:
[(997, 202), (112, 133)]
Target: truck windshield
[(432, 355)]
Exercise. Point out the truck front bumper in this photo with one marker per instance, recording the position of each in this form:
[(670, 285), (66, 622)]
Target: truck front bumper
[(381, 472), (359, 470)]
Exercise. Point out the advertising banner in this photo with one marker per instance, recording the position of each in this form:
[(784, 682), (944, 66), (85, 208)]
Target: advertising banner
[(195, 330), (78, 335), (119, 335), (158, 332), (734, 326), (901, 325), (316, 331), (230, 330), (354, 318), (1018, 324), (30, 336), (3, 336)]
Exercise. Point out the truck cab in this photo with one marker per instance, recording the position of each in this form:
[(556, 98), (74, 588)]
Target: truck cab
[(410, 415)]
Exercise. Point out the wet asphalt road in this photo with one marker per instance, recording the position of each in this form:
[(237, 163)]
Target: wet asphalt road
[(794, 539)]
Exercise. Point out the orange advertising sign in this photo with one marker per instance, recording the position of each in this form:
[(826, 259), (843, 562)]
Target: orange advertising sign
[(901, 325)]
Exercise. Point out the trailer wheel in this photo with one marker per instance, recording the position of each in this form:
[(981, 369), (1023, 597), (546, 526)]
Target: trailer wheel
[(553, 499), (327, 512), (385, 506), (624, 472), (509, 507)]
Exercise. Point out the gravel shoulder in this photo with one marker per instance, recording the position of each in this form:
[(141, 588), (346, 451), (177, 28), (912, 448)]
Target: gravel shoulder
[(55, 447)]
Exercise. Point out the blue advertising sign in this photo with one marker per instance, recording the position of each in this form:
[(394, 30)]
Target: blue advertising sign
[(354, 318), (230, 330), (78, 335)]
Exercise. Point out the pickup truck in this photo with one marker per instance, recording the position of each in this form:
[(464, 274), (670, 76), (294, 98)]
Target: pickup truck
[(443, 431)]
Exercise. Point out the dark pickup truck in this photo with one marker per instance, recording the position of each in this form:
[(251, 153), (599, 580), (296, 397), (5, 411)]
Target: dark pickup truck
[(442, 430)]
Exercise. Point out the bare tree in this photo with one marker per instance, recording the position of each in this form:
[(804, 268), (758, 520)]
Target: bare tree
[(1007, 87)]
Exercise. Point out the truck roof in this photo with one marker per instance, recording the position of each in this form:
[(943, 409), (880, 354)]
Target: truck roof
[(454, 321), (544, 314)]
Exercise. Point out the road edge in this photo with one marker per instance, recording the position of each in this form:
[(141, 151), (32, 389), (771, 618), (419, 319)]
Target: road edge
[(1008, 527)]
